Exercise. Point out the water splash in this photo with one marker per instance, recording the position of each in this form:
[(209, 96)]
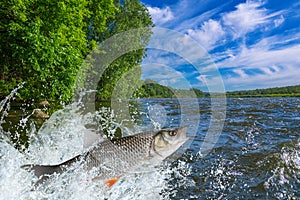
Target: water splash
[(4, 110), (176, 175), (8, 98), (285, 181), (157, 115), (61, 138)]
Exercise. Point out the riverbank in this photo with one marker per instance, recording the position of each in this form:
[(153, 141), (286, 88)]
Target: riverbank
[(262, 95)]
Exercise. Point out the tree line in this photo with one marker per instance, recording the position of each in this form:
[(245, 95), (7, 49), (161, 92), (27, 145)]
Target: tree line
[(44, 42), (268, 92), (152, 89)]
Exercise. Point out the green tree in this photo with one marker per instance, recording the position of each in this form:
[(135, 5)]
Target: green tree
[(131, 15), (198, 92), (43, 43)]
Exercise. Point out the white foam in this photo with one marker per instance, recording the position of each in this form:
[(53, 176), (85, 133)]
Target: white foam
[(61, 138)]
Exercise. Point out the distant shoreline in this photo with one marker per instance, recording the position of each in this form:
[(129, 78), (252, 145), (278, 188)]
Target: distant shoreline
[(262, 96), (154, 90)]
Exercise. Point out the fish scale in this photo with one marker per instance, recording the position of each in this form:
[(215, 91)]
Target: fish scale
[(126, 153)]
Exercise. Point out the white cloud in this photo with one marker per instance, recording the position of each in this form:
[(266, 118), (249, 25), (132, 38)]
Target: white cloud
[(209, 33), (214, 83), (279, 21), (241, 73), (271, 61), (195, 20), (263, 64), (270, 70), (165, 75), (202, 78), (285, 77), (259, 57), (160, 16), (245, 18), (278, 68)]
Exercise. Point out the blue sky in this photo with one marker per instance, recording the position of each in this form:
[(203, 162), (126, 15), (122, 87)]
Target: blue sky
[(254, 44)]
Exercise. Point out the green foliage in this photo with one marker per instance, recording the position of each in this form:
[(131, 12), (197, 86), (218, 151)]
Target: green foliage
[(198, 92), (128, 84), (131, 15), (43, 43), (269, 92), (102, 11), (152, 89)]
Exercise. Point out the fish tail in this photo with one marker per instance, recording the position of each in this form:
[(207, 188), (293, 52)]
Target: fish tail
[(43, 172), (40, 170)]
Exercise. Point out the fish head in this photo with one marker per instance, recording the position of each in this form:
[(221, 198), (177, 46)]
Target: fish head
[(167, 141)]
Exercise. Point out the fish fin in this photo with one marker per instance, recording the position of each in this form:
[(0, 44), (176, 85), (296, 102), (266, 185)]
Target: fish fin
[(111, 182)]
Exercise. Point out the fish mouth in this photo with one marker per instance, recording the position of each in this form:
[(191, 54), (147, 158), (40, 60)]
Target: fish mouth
[(182, 132)]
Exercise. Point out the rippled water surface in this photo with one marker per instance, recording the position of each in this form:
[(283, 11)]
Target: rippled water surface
[(257, 155)]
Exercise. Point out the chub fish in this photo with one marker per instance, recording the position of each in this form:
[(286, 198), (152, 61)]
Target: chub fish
[(113, 158)]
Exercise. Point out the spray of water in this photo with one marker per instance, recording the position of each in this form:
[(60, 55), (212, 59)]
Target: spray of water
[(60, 138), (285, 181)]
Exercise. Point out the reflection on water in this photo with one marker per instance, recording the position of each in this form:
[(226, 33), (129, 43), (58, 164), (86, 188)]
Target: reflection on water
[(257, 155)]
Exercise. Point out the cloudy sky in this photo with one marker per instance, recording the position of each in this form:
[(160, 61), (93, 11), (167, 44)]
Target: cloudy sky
[(254, 44)]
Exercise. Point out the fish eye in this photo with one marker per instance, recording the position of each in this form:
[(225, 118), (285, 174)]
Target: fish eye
[(172, 133)]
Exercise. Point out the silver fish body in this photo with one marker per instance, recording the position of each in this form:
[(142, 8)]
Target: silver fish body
[(112, 158), (115, 157)]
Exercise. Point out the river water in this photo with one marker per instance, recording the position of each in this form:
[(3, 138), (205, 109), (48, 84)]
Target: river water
[(256, 156)]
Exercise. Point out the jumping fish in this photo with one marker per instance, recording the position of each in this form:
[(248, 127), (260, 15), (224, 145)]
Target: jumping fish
[(113, 158)]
